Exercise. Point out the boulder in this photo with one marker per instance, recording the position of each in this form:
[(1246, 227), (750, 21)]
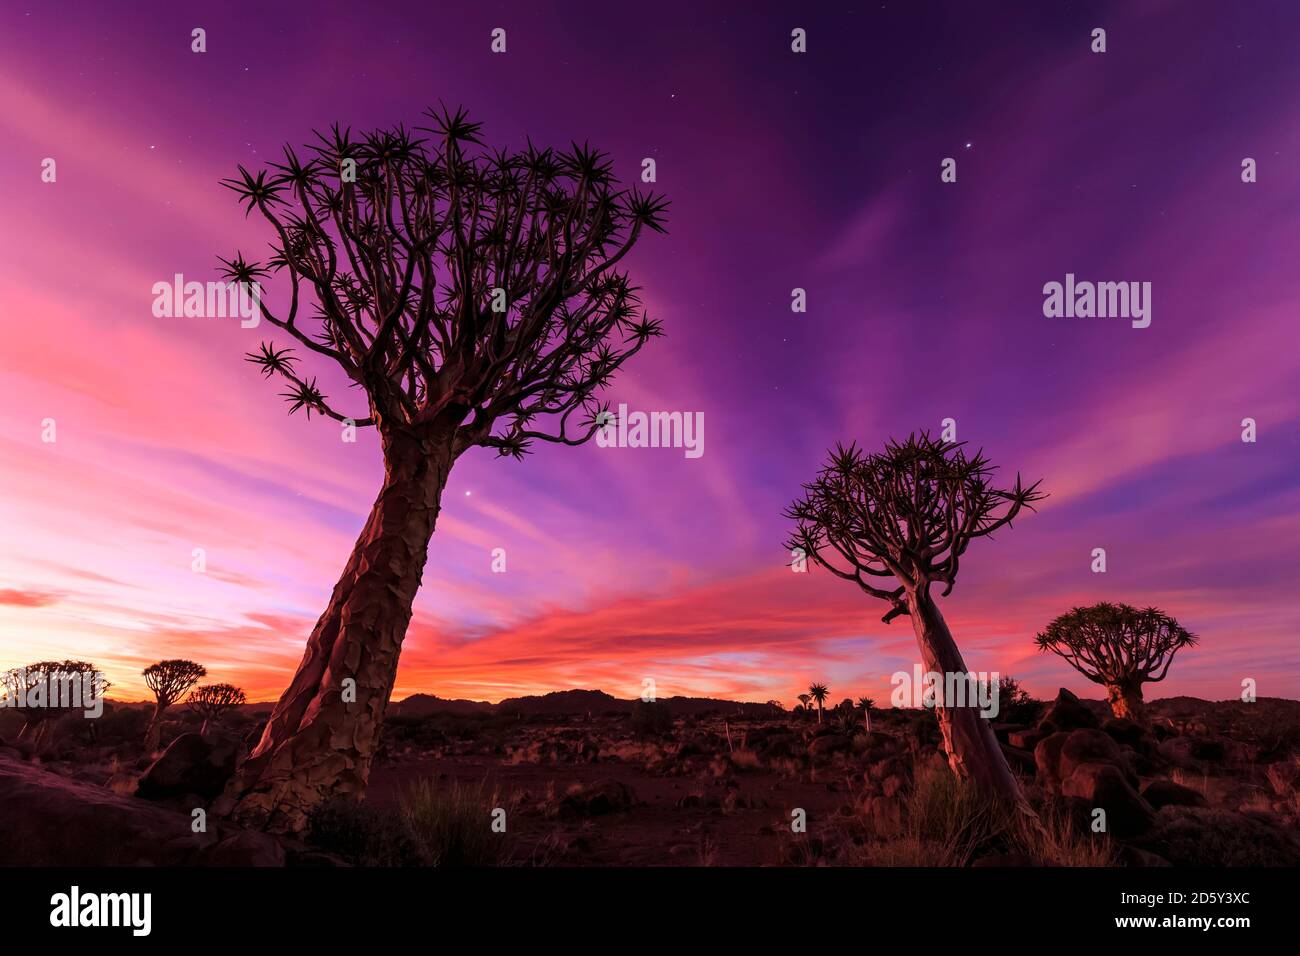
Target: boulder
[(1026, 739), (1126, 732), (1166, 793), (1205, 837), (191, 764), (1103, 785), (51, 820), (1046, 757), (1088, 746), (1067, 712)]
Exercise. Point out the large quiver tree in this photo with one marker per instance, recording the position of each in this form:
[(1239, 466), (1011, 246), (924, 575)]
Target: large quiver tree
[(897, 523), (470, 297)]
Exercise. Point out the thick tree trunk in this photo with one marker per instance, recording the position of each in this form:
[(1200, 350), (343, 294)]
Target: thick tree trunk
[(1125, 700), (973, 750), (153, 733), (323, 732)]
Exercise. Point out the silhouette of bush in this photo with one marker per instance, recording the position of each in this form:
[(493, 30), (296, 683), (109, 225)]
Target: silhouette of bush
[(362, 834), (651, 718)]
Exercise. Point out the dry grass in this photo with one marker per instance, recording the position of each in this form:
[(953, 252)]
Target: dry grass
[(452, 826)]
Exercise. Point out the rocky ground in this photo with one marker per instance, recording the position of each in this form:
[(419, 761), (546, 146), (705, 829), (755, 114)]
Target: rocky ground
[(1204, 784)]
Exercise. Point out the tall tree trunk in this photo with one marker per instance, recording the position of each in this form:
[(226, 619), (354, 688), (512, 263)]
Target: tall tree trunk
[(1125, 698), (972, 748), (153, 733), (323, 732)]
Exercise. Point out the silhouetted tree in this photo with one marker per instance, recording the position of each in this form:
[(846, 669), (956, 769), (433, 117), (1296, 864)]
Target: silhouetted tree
[(1119, 647), (818, 693), (213, 701), (866, 703), (471, 296), (46, 690), (169, 680), (908, 514), (804, 701)]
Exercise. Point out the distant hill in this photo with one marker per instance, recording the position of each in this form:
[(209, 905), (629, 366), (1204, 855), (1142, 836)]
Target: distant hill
[(421, 705), (563, 703)]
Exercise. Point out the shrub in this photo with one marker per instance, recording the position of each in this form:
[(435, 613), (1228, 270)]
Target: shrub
[(651, 717), (362, 834)]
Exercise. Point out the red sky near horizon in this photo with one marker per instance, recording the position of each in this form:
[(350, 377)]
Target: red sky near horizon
[(818, 171)]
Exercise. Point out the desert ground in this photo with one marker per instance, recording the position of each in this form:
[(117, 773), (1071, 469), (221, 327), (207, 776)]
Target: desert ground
[(583, 779)]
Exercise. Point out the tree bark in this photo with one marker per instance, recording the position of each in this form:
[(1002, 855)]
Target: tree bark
[(1125, 698), (153, 733), (323, 732), (972, 748)]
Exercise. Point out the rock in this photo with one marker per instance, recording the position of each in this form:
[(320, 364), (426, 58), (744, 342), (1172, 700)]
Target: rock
[(53, 821), (1125, 731), (1133, 856), (1003, 731), (1166, 793), (1088, 746), (1103, 785), (190, 764), (1026, 739), (245, 848), (1205, 837), (1067, 712), (1046, 757)]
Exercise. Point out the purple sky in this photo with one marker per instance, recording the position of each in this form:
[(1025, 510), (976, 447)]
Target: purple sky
[(818, 171)]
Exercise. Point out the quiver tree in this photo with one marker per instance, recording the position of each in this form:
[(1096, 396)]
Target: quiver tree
[(212, 701), (1119, 647), (897, 523), (818, 693), (866, 703), (47, 690), (469, 297), (169, 680)]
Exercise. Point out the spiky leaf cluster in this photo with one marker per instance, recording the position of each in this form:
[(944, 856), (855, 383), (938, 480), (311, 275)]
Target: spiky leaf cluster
[(907, 513), (455, 284)]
